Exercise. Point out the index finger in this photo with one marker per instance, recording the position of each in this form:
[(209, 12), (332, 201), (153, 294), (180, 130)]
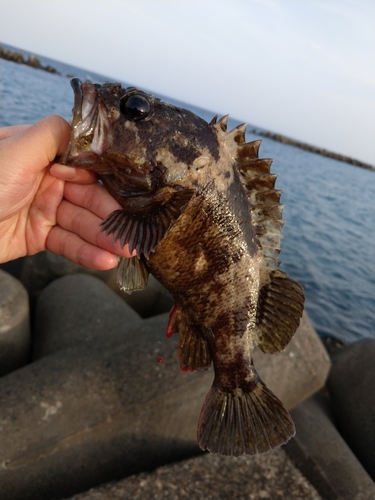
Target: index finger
[(71, 174)]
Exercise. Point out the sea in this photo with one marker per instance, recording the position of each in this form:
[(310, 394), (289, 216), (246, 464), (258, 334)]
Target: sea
[(329, 233)]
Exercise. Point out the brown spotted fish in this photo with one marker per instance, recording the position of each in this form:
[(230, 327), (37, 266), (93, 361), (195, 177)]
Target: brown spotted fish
[(200, 212)]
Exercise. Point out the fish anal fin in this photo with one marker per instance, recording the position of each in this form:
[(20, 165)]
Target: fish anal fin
[(174, 320), (241, 422), (132, 274), (146, 219), (193, 351), (280, 308)]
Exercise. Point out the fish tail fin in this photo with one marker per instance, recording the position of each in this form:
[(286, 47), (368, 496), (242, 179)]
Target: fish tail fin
[(240, 422)]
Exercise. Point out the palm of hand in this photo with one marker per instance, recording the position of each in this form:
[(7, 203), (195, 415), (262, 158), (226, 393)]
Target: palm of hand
[(44, 205)]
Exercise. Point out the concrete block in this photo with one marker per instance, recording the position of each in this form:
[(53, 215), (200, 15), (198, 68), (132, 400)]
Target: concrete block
[(79, 309), (81, 416), (37, 271), (300, 370), (210, 477), (12, 267), (351, 385), (152, 300), (14, 324), (100, 413), (323, 456)]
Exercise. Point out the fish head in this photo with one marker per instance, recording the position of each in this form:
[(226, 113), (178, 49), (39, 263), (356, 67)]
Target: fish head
[(143, 141)]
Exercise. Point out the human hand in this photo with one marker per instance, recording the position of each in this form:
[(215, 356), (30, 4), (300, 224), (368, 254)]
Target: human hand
[(48, 206)]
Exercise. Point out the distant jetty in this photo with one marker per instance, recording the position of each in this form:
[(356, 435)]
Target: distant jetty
[(18, 57), (33, 61), (313, 149)]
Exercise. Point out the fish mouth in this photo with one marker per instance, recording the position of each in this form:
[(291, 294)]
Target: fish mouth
[(89, 135)]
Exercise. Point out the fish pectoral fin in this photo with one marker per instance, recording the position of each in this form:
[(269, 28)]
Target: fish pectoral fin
[(193, 352), (237, 422), (146, 219), (280, 308), (132, 274)]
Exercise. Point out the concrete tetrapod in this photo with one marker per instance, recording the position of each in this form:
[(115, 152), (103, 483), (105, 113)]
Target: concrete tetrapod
[(14, 324), (88, 414), (351, 385)]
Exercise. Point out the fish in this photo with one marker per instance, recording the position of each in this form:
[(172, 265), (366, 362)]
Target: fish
[(200, 211)]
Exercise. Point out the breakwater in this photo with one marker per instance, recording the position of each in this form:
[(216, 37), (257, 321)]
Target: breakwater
[(19, 58), (313, 149)]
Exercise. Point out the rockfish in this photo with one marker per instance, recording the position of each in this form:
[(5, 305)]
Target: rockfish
[(201, 213)]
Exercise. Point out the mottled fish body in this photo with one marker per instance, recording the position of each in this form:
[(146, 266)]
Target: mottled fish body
[(200, 211)]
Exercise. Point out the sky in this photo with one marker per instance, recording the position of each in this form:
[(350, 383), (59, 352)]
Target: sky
[(305, 69)]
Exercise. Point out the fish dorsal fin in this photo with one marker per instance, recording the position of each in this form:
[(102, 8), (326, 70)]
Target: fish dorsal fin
[(213, 121), (266, 210), (255, 176), (232, 139), (280, 303), (222, 124)]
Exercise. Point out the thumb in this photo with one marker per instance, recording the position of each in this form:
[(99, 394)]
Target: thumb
[(33, 148)]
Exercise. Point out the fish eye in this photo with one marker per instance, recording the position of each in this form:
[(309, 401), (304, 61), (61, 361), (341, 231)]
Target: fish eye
[(136, 107)]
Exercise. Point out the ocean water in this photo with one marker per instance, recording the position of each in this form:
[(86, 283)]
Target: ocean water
[(328, 243)]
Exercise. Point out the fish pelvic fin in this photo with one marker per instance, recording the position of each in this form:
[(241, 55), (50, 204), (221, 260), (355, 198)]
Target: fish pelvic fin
[(193, 351), (235, 423), (132, 274), (279, 311)]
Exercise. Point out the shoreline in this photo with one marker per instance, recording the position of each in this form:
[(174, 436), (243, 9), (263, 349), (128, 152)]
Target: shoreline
[(313, 149), (19, 58)]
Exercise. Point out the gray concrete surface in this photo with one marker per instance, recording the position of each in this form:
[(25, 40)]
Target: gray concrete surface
[(154, 299), (351, 385), (323, 456), (79, 309), (106, 409), (272, 476), (82, 416), (15, 338), (38, 270), (300, 370)]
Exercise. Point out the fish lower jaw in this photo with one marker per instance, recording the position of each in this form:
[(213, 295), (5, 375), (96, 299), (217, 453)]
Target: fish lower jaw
[(81, 159)]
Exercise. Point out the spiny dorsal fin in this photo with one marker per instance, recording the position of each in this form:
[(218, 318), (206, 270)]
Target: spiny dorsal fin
[(236, 137), (266, 211), (222, 124), (213, 121), (248, 151), (252, 168)]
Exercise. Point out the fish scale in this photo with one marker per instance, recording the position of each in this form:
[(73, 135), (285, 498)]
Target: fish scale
[(201, 212)]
